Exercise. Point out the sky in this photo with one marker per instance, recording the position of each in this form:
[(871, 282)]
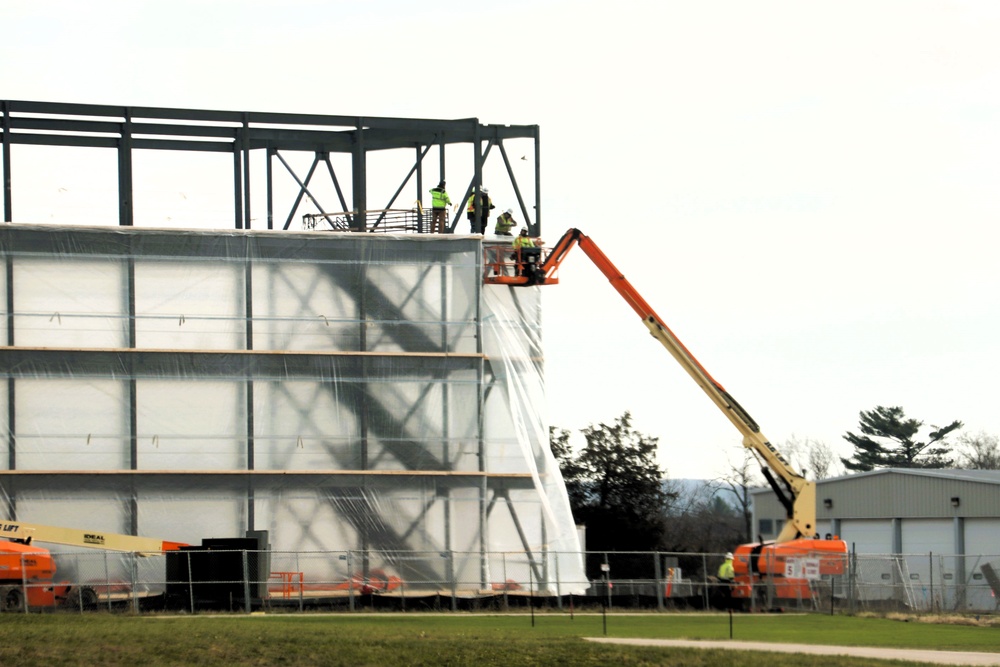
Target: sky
[(805, 192)]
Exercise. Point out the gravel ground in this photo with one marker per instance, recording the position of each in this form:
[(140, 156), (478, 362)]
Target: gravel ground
[(913, 655)]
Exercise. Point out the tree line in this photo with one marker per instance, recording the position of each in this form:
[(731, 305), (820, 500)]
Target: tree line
[(627, 503)]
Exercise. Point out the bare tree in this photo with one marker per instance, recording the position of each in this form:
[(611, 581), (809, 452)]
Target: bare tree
[(979, 452), (814, 459), (822, 460), (743, 477), (795, 452), (701, 521)]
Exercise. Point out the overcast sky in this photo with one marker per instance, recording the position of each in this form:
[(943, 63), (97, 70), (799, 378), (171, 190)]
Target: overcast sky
[(805, 192)]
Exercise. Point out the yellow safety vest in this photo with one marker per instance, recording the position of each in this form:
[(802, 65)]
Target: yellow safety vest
[(439, 198), (485, 205), (504, 223)]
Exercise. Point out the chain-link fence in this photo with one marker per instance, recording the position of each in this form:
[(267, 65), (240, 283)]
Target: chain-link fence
[(195, 580), (924, 582)]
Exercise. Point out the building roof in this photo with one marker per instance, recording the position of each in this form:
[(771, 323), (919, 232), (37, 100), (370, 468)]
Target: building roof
[(954, 474), (987, 476), (899, 493)]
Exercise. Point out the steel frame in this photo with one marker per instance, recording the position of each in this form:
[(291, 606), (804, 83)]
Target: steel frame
[(126, 129)]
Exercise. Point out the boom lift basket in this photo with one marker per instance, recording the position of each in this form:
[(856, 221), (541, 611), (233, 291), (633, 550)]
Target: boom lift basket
[(505, 265)]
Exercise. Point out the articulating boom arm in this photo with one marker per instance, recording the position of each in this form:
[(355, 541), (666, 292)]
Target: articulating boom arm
[(28, 532), (799, 494)]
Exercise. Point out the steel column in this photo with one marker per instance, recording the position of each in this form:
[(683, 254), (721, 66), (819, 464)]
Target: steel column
[(246, 170), (8, 208), (359, 166), (125, 213)]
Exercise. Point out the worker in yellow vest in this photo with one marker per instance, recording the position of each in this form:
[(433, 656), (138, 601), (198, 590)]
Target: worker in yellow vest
[(440, 201), (525, 251), (485, 205), (505, 222), (726, 572), (726, 575)]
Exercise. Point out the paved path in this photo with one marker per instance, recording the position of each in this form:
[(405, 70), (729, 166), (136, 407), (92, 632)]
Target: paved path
[(911, 654)]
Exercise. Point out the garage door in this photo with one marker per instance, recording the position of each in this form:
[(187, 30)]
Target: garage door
[(982, 537), (930, 567), (876, 575), (982, 545), (923, 536), (867, 536)]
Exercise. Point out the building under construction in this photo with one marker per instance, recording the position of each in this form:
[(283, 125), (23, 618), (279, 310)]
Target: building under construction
[(299, 371)]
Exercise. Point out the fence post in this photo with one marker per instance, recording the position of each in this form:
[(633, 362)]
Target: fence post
[(833, 586), (77, 584), (851, 578), (558, 584), (24, 587), (930, 562), (607, 577), (107, 583), (453, 576), (506, 606), (134, 571), (350, 581), (298, 568), (658, 575), (704, 582), (246, 583), (531, 595), (190, 582)]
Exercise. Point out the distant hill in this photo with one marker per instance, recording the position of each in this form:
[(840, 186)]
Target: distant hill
[(687, 484), (688, 487)]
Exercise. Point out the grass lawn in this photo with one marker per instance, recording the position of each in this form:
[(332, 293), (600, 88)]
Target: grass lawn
[(450, 639)]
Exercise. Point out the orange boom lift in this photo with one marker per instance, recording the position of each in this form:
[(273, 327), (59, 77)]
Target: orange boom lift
[(798, 554), (27, 570)]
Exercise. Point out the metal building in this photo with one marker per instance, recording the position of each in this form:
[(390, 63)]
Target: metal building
[(941, 526), (349, 392)]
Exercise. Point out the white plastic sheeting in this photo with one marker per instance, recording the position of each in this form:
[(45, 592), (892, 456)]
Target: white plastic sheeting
[(345, 392)]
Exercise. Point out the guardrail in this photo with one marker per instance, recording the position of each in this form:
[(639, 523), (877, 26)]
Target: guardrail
[(386, 221)]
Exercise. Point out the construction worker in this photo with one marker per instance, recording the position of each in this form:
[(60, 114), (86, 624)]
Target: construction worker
[(485, 205), (726, 575), (525, 252), (505, 221), (440, 201)]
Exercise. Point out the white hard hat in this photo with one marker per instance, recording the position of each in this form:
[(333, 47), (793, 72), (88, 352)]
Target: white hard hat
[(484, 190), (509, 211), (729, 556)]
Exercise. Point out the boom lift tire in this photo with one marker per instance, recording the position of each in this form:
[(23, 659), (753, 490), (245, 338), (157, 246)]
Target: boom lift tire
[(83, 597), (11, 598)]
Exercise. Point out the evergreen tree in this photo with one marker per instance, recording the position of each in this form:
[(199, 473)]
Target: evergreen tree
[(890, 424), (615, 487)]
